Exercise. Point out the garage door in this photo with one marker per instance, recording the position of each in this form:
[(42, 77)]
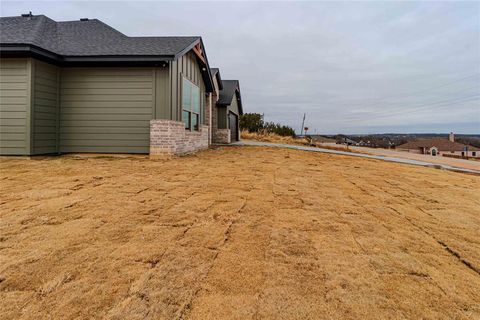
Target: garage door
[(106, 110), (233, 121)]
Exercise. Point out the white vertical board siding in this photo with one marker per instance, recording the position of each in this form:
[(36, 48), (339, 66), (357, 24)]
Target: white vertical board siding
[(106, 109)]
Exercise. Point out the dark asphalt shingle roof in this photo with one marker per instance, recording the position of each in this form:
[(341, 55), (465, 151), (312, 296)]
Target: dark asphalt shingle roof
[(86, 38), (228, 91), (231, 89)]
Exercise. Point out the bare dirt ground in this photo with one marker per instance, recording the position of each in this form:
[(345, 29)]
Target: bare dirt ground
[(459, 163), (237, 233)]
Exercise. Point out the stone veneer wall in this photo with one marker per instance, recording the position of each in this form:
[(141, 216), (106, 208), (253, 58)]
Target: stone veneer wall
[(221, 136), (168, 137)]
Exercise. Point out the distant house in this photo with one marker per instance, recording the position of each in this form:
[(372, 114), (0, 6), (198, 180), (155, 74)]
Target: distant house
[(227, 110), (82, 86), (347, 141), (439, 146)]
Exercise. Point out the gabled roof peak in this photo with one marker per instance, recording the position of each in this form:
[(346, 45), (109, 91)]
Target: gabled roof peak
[(231, 89)]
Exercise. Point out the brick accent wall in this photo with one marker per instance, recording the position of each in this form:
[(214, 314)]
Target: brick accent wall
[(168, 138), (221, 136)]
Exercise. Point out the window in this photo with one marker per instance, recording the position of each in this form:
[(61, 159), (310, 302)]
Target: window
[(186, 119), (190, 105), (474, 153)]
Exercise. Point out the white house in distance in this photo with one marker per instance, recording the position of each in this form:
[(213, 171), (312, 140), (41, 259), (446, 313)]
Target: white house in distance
[(440, 146)]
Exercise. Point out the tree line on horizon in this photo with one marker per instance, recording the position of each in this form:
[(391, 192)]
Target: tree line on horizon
[(253, 122)]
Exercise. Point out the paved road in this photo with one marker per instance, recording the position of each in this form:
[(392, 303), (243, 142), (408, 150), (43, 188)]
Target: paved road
[(345, 153), (453, 162)]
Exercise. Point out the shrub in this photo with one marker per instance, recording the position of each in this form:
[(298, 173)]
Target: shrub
[(252, 122)]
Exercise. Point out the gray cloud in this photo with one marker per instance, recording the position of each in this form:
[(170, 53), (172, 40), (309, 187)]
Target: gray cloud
[(353, 67)]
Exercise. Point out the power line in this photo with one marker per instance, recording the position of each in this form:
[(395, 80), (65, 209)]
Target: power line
[(400, 105), (375, 100), (429, 89), (423, 107)]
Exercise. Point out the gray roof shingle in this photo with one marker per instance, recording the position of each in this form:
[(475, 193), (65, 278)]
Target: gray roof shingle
[(230, 88), (86, 38), (226, 95)]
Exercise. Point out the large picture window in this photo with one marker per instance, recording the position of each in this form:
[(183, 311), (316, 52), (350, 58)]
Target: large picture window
[(190, 105)]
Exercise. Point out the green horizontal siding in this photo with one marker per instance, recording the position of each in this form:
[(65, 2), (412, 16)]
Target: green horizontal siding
[(68, 125), (103, 149), (14, 106), (106, 130), (106, 109), (45, 108)]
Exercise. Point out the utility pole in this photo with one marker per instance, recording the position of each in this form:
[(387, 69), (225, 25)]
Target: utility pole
[(303, 123)]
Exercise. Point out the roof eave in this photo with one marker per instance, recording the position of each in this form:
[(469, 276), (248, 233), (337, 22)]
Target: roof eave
[(7, 49), (219, 79), (238, 96), (116, 58)]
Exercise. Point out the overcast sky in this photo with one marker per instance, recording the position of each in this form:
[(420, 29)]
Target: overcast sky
[(352, 67)]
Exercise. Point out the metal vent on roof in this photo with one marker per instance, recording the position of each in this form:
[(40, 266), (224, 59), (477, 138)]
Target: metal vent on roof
[(27, 15), (83, 19)]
